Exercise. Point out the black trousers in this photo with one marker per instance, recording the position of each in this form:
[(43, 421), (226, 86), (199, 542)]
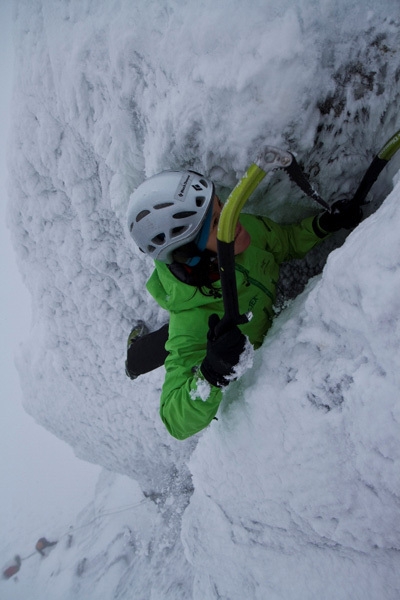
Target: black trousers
[(147, 353)]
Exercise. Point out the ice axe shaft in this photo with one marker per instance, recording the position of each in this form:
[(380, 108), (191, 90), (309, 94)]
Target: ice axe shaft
[(270, 159)]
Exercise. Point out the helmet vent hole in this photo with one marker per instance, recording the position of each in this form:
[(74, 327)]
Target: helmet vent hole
[(200, 201), (150, 249), (159, 239), (184, 214), (176, 231), (163, 205), (204, 183), (131, 227), (141, 215)]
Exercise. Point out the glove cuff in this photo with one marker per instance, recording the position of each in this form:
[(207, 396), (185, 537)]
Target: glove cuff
[(318, 230), (216, 379)]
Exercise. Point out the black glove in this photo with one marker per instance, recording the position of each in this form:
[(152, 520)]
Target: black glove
[(223, 353), (344, 214)]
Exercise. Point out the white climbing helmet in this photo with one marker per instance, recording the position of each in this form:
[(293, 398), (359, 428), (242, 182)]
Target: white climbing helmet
[(169, 210)]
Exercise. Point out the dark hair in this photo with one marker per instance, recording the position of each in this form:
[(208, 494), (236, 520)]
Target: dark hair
[(202, 276)]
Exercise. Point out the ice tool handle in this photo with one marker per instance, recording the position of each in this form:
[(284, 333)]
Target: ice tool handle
[(270, 159), (378, 163)]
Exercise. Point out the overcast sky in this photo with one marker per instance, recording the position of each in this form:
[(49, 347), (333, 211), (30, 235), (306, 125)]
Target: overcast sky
[(39, 474)]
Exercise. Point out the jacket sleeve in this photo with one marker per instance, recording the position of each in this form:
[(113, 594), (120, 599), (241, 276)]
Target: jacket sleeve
[(285, 241), (188, 402)]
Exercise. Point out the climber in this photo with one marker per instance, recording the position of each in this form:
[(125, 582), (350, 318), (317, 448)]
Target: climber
[(173, 217)]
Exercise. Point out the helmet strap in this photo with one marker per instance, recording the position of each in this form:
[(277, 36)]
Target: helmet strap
[(202, 238)]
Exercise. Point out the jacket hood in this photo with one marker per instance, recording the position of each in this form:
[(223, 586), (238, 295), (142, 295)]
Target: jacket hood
[(174, 295)]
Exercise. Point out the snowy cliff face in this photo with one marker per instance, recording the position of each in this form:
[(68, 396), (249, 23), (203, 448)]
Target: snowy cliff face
[(315, 441), (297, 483)]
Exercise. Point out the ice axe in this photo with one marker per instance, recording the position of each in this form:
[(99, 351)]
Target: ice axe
[(378, 163), (270, 159)]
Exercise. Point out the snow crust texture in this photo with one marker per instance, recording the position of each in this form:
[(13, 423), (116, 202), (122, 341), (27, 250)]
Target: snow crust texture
[(316, 485), (294, 492)]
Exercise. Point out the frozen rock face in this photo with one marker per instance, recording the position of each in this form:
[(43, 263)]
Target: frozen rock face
[(311, 441)]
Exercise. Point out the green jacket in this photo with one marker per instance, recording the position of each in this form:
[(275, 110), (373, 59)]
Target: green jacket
[(188, 403)]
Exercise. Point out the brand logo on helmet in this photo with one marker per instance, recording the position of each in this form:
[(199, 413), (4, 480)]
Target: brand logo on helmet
[(183, 186)]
